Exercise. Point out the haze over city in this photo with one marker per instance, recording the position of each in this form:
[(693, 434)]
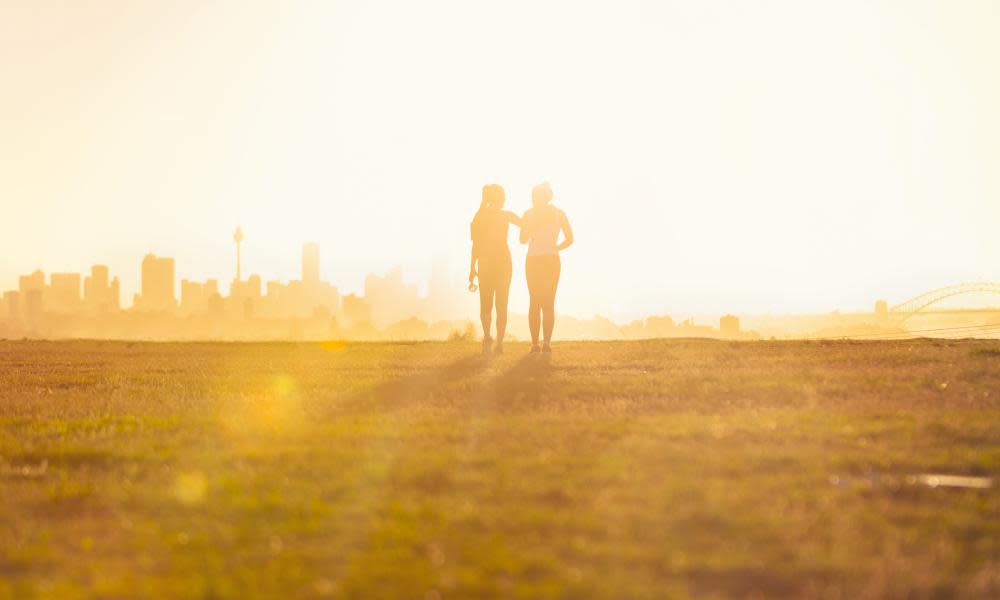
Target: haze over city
[(716, 157)]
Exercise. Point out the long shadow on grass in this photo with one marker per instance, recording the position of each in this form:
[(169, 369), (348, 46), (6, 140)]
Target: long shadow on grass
[(379, 452), (522, 385), (415, 389)]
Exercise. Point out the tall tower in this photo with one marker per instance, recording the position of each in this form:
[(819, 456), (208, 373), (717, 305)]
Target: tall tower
[(310, 263), (238, 238)]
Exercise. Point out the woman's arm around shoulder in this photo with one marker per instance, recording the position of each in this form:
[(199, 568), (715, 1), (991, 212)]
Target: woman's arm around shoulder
[(512, 217)]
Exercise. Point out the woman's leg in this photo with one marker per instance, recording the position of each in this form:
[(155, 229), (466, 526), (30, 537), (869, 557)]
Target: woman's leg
[(486, 292), (553, 267), (534, 319), (535, 305), (503, 294)]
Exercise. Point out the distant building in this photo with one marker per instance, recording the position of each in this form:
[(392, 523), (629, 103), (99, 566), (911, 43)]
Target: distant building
[(33, 307), (197, 298), (12, 304), (63, 295), (99, 294), (254, 286), (729, 325), (356, 310), (658, 327), (390, 298), (193, 299), (244, 297), (882, 310), (31, 283), (95, 285), (250, 288), (214, 302), (157, 284), (310, 264), (297, 298), (276, 290)]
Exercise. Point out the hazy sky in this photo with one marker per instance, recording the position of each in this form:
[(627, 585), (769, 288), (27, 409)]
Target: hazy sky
[(712, 156)]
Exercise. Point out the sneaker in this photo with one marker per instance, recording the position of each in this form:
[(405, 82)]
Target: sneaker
[(487, 346), (535, 349), (546, 349)]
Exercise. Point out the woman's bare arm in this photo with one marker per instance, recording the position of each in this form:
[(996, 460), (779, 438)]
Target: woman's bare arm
[(567, 234), (525, 229), (513, 218), (472, 264), (475, 253)]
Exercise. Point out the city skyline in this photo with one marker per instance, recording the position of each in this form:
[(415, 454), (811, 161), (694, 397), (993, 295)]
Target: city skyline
[(161, 296), (162, 289), (308, 265), (63, 304), (420, 275), (169, 306)]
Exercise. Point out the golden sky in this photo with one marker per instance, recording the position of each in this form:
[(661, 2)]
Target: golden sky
[(713, 156)]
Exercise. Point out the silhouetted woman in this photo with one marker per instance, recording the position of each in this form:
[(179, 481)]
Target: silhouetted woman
[(491, 252), (540, 229)]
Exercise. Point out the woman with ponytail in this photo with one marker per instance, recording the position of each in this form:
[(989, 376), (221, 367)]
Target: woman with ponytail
[(491, 263)]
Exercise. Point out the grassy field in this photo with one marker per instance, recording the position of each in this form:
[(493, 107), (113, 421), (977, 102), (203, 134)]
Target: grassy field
[(619, 469)]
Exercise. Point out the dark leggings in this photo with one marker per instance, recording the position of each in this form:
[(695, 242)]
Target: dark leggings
[(543, 279)]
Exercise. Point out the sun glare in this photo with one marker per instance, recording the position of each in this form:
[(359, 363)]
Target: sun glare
[(716, 157)]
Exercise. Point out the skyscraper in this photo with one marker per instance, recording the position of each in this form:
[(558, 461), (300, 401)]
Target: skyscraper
[(157, 283), (31, 283), (192, 297), (33, 307), (729, 326), (95, 285), (115, 294), (12, 301), (310, 263), (100, 294), (64, 292)]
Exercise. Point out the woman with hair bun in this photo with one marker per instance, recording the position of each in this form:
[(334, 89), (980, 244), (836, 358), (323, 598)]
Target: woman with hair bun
[(540, 229)]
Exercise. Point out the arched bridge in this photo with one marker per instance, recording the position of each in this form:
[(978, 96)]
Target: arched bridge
[(915, 305)]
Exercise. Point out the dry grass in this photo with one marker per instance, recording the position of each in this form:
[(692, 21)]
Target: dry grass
[(625, 469)]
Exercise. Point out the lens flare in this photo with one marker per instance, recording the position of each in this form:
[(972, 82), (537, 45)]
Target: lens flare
[(190, 487)]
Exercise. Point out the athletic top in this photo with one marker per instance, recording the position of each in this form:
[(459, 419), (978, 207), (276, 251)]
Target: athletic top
[(489, 234), (544, 224)]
